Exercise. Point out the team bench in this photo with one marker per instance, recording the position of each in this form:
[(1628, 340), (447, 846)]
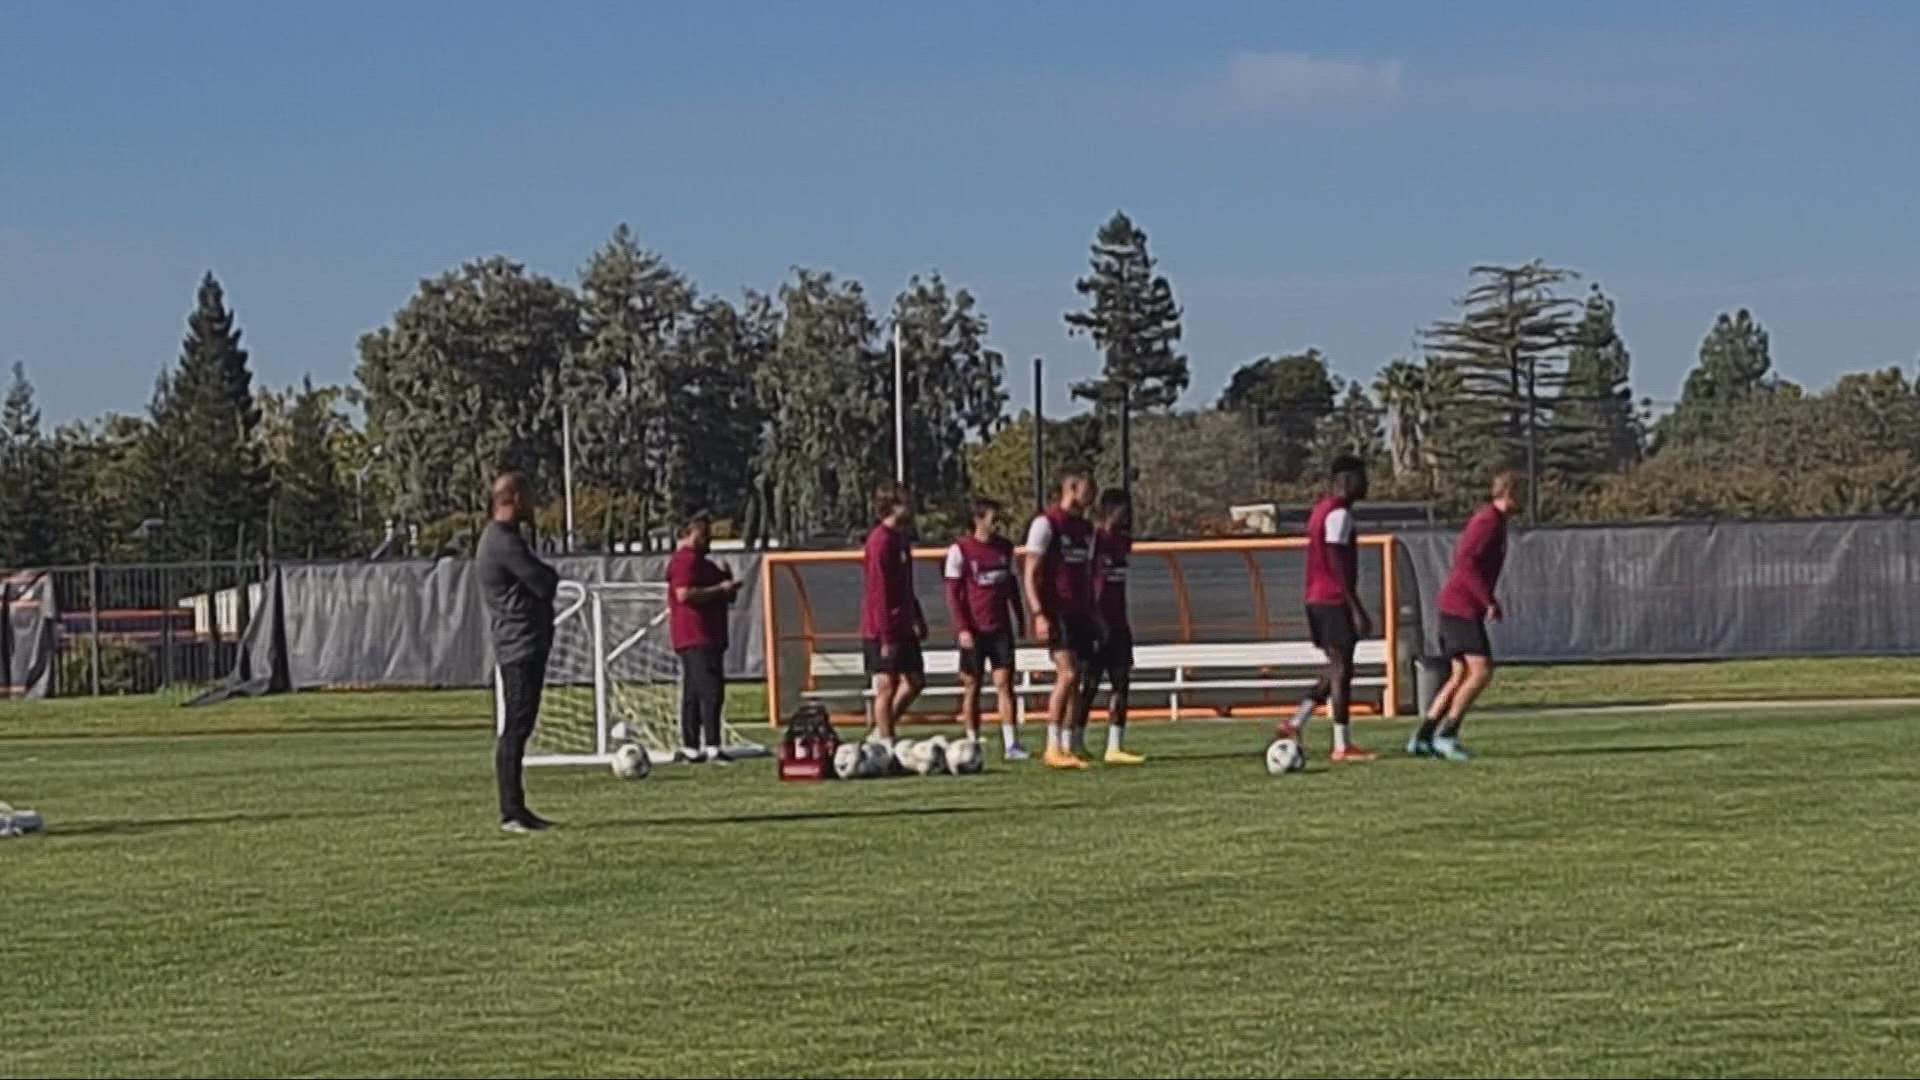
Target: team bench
[(1179, 672)]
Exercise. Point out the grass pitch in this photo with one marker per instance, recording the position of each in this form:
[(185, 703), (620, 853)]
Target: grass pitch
[(314, 886)]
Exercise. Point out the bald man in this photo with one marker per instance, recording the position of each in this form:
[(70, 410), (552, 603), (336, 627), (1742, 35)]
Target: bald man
[(518, 589)]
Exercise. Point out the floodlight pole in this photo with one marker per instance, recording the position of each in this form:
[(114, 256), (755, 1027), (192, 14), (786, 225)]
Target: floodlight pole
[(1039, 437), (899, 409), (566, 466)]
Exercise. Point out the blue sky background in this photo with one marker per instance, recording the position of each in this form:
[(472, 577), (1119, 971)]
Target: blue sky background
[(1309, 174)]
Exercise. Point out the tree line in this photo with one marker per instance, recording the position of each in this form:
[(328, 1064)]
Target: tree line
[(774, 411)]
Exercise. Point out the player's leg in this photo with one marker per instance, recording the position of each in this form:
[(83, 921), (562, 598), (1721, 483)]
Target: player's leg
[(1421, 745), (1004, 700), (1446, 743), (521, 685), (713, 701), (910, 677), (690, 674), (1061, 701), (1322, 688), (1092, 674), (969, 697), (1340, 675), (1119, 664)]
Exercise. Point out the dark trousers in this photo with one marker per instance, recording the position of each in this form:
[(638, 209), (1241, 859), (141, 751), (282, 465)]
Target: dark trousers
[(521, 685), (703, 695)]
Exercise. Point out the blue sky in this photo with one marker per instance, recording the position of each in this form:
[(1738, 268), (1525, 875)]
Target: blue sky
[(1310, 174)]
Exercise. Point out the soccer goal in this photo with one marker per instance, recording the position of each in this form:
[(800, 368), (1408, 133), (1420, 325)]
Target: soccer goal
[(612, 667)]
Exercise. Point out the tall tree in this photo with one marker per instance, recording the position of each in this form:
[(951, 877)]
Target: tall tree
[(311, 507), (1002, 467), (1190, 469), (953, 385), (1133, 320), (464, 382), (714, 426), (208, 479), (622, 385), (1597, 430), (1285, 398), (826, 398), (1736, 366), (1353, 427), (29, 490), (1509, 351)]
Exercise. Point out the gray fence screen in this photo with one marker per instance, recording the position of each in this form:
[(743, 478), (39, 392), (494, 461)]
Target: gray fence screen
[(1617, 593)]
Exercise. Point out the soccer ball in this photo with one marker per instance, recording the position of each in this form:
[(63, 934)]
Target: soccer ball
[(1285, 756), (875, 760), (904, 751), (847, 760), (925, 758), (631, 762), (965, 757)]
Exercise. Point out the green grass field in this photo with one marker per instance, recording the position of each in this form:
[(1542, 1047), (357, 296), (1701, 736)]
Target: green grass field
[(314, 886)]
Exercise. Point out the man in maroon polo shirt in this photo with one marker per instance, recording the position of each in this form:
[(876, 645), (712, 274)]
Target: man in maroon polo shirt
[(891, 623), (985, 604), (1112, 661), (1059, 586), (1335, 616), (1466, 604), (699, 591)]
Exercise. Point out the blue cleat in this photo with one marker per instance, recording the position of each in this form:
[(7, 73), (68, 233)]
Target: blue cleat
[(1419, 747), (1450, 750)]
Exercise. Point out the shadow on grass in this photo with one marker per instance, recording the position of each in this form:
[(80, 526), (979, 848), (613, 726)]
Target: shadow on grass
[(311, 727), (777, 817), (142, 826)]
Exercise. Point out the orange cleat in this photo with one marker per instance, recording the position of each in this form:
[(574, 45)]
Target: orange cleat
[(1354, 755)]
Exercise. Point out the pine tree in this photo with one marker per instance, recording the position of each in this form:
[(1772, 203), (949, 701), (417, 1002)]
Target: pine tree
[(1134, 322), (310, 499), (1509, 351), (209, 480), (1736, 367), (29, 510), (1597, 430)]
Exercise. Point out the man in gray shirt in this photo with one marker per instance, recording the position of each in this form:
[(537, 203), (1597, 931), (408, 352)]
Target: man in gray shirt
[(519, 590)]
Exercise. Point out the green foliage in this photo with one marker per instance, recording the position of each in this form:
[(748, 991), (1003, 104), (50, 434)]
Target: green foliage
[(1596, 429), (311, 506), (1133, 320), (125, 668), (1353, 427), (1001, 468), (715, 426), (1189, 468), (954, 388), (1286, 398), (30, 489), (1736, 366)]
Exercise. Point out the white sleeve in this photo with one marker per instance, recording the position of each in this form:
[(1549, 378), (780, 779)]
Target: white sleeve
[(1039, 536), (956, 564), (1339, 527)]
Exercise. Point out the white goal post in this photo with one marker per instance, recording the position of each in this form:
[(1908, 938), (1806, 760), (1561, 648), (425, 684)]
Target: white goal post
[(612, 665)]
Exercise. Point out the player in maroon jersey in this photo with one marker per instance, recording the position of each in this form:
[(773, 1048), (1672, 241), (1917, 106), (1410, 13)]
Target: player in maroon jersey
[(984, 600), (1335, 616), (1466, 605), (891, 623), (1113, 659), (1059, 587)]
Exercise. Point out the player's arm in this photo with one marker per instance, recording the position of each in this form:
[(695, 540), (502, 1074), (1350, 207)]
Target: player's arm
[(1039, 539), (957, 606), (913, 603), (1474, 543), (533, 575), (1340, 544), (880, 587), (682, 579)]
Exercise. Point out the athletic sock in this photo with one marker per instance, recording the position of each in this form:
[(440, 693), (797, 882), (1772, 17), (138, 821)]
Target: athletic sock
[(1341, 738), (1116, 735), (1428, 728), (1009, 735), (1304, 713), (1055, 741)]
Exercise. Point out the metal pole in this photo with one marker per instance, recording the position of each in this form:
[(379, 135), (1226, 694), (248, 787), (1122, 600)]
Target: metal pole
[(899, 409), (93, 628), (566, 466), (1039, 437)]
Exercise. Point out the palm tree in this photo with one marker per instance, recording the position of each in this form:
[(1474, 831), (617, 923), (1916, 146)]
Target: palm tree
[(1402, 390)]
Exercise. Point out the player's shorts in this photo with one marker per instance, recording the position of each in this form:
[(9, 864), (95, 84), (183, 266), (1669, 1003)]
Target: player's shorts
[(1075, 634), (1112, 662), (904, 660), (993, 650), (1464, 637), (1333, 632)]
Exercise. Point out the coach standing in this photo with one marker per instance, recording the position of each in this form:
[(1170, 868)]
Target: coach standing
[(698, 594), (519, 590)]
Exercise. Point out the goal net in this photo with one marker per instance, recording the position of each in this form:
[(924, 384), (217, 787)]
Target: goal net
[(612, 672)]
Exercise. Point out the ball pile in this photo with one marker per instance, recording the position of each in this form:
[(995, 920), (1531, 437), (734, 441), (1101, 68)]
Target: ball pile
[(938, 756)]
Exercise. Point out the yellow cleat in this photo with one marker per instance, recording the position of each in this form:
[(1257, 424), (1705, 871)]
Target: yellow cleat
[(1062, 759), (1121, 757)]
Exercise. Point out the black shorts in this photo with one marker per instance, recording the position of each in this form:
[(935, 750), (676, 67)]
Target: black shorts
[(1112, 663), (1464, 637), (1333, 631), (993, 650), (904, 660), (1075, 634)]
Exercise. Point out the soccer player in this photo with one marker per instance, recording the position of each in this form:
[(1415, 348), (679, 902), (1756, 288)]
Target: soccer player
[(985, 605), (1466, 603), (699, 591), (1113, 658), (1335, 616), (891, 622), (518, 590), (1059, 587)]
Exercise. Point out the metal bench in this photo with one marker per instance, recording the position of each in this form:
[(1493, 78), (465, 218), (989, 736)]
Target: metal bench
[(1174, 670)]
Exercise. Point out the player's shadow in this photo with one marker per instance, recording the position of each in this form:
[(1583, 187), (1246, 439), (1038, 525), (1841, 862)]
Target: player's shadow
[(788, 817), (1637, 748)]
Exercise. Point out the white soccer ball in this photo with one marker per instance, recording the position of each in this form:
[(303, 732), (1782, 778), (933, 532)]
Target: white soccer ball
[(1285, 756), (966, 757), (904, 751), (620, 733), (925, 758), (847, 759), (875, 760), (631, 762)]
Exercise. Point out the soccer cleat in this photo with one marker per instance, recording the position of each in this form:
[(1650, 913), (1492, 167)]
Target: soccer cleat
[(1016, 752), (1419, 747), (1353, 755), (1062, 759), (525, 823), (1450, 750), (1122, 757)]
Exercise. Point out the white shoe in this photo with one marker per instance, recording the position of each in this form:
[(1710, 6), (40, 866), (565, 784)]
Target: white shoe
[(1016, 752)]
